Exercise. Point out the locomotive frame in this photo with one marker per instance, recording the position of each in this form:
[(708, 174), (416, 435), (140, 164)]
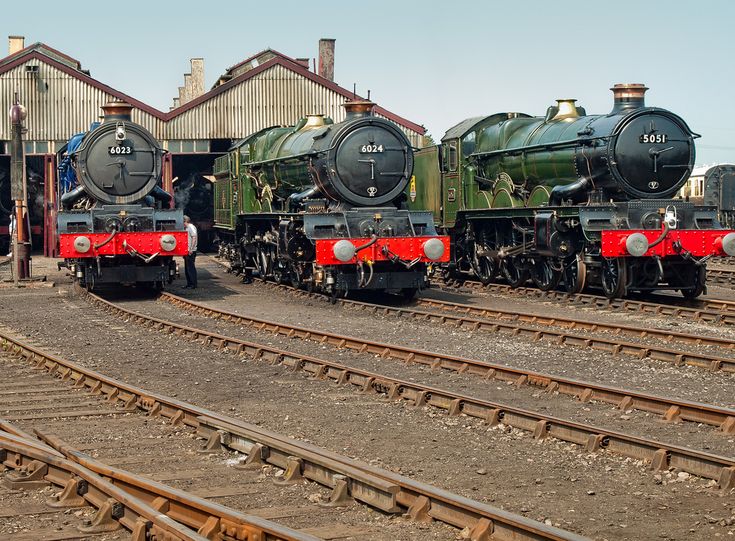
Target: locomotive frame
[(319, 205), (569, 199), (112, 227)]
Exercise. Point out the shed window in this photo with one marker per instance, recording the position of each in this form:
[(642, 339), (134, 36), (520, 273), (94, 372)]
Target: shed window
[(188, 146)]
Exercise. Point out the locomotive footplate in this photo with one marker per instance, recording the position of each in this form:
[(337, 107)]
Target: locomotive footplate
[(382, 281), (130, 274), (664, 243)]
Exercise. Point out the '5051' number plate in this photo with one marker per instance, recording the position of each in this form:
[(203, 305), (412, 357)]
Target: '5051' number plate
[(371, 149), (654, 138)]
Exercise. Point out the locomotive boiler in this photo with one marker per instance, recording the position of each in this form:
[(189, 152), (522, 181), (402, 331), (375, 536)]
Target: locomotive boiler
[(319, 204), (114, 223), (573, 199)]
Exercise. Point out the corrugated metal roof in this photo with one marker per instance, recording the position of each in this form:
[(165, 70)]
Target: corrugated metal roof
[(63, 100)]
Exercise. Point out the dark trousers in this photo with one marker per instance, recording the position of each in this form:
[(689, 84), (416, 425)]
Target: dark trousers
[(190, 270)]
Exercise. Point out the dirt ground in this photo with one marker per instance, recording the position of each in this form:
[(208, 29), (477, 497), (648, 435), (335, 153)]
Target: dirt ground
[(595, 494)]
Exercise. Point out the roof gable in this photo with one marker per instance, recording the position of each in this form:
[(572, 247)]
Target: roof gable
[(72, 67)]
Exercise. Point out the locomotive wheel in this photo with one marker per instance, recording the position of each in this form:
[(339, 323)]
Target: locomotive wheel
[(409, 293), (89, 281), (514, 271), (262, 263), (544, 274), (614, 277), (295, 276), (280, 274), (485, 268), (699, 277), (574, 274)]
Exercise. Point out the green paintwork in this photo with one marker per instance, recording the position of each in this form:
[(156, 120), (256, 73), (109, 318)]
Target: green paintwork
[(511, 180), (422, 190), (539, 197)]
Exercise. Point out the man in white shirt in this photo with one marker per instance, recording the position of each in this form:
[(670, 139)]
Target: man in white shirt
[(189, 268)]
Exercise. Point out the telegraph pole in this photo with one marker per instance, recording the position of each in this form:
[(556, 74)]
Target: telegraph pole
[(21, 244)]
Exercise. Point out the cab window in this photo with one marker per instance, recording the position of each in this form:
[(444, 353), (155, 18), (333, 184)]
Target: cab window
[(468, 144), (452, 156)]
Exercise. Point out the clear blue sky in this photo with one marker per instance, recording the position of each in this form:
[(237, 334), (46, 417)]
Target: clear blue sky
[(434, 63)]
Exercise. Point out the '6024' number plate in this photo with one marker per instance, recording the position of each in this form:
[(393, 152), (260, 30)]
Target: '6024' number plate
[(371, 149), (121, 150)]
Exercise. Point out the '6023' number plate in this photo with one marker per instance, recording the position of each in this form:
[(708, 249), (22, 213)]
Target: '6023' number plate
[(121, 150), (654, 138), (371, 149)]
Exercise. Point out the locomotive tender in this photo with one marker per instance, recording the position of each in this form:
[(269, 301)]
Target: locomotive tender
[(573, 199), (318, 205), (114, 227)]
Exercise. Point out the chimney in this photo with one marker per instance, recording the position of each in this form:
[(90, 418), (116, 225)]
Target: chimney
[(303, 61), (187, 89), (117, 110), (326, 58), (628, 96), (197, 77), (15, 44), (358, 108)]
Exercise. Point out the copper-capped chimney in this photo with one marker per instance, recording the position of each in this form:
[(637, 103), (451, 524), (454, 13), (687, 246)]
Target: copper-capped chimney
[(628, 96), (358, 108), (114, 111)]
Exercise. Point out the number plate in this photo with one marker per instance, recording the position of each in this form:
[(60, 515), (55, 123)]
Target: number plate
[(121, 150), (648, 138), (371, 149)]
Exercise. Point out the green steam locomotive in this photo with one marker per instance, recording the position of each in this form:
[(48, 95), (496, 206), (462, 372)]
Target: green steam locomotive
[(569, 199), (321, 205)]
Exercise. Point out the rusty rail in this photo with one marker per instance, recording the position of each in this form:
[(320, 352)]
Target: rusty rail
[(660, 455), (721, 276), (36, 466), (210, 519), (349, 479), (710, 312), (614, 346), (670, 409)]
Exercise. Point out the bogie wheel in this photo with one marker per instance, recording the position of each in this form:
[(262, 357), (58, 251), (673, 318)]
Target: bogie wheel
[(545, 274), (89, 282), (514, 271), (485, 268), (699, 277), (262, 263), (614, 277), (574, 274), (409, 293)]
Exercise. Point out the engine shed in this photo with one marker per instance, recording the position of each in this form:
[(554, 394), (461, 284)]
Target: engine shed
[(62, 99)]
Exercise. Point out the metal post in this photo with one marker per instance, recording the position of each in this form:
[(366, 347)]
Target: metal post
[(21, 245)]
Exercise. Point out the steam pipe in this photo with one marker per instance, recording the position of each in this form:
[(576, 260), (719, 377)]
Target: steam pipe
[(570, 191), (69, 198), (295, 199)]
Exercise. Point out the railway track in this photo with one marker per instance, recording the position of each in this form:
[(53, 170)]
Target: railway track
[(537, 327), (721, 276), (116, 414), (592, 438), (669, 409), (706, 310), (114, 498)]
